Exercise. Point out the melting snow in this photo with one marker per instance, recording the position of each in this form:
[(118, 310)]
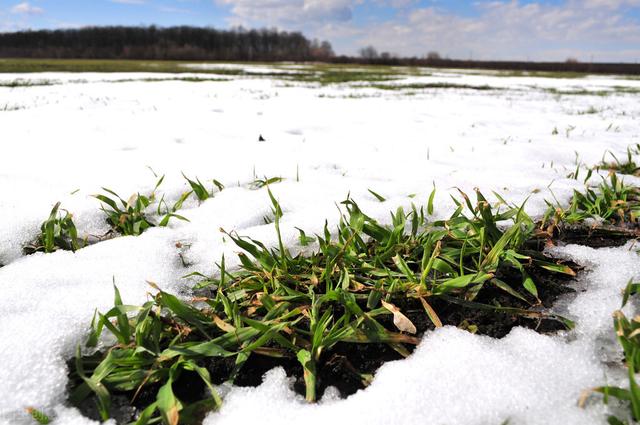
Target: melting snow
[(64, 142)]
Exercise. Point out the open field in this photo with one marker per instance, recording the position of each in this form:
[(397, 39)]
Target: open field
[(239, 68), (270, 153)]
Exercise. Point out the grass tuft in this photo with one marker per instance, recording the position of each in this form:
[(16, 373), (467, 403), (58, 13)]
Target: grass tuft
[(628, 334), (56, 232), (612, 202), (38, 416), (353, 290)]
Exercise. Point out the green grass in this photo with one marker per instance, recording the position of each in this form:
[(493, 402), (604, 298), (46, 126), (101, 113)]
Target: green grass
[(615, 90), (323, 74), (591, 110), (110, 66), (200, 190), (341, 77), (127, 217), (612, 202), (10, 108), (314, 73), (58, 231), (299, 307), (264, 182), (89, 65), (131, 217), (543, 74), (38, 416), (161, 80), (623, 166), (27, 83), (628, 334), (428, 86)]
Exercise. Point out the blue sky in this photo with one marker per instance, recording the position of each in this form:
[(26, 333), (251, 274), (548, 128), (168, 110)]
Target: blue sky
[(599, 30)]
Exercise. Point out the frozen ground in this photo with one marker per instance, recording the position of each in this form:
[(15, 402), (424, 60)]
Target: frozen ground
[(63, 142)]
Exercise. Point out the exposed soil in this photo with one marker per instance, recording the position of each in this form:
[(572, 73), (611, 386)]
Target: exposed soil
[(598, 237), (345, 364), (348, 366)]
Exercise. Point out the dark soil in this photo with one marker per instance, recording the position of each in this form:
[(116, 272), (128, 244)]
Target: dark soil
[(598, 237), (345, 366)]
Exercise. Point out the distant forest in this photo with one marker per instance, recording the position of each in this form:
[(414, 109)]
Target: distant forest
[(174, 43), (264, 45)]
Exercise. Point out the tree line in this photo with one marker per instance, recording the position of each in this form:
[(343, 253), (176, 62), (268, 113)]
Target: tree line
[(265, 45), (174, 43)]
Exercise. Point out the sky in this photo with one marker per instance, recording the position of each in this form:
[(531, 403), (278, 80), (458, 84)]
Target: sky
[(587, 30)]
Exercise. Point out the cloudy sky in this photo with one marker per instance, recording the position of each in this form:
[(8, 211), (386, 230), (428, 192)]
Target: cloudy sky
[(598, 30)]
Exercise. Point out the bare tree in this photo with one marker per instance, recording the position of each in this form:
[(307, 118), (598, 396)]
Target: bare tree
[(321, 50), (433, 56), (180, 43), (369, 52)]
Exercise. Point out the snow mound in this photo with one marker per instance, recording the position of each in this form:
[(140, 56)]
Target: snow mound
[(455, 377), (66, 141)]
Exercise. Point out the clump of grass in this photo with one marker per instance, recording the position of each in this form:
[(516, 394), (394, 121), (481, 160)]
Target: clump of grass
[(161, 80), (615, 90), (628, 333), (26, 83), (11, 108), (578, 92), (168, 213), (623, 166), (128, 217), (611, 202), (427, 86), (265, 182), (300, 307), (38, 416), (589, 111), (131, 218), (199, 189), (58, 231)]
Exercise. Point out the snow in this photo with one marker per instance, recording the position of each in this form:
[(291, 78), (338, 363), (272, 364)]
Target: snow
[(455, 377), (64, 142), (236, 67)]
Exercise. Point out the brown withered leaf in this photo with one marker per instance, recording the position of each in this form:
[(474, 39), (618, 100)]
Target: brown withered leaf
[(222, 324), (401, 321)]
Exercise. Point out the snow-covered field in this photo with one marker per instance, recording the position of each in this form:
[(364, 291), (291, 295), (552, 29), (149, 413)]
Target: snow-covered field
[(63, 142)]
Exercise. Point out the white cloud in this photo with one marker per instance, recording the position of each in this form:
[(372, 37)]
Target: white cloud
[(170, 9), (25, 8), (128, 1), (508, 30), (397, 3), (289, 13), (610, 4)]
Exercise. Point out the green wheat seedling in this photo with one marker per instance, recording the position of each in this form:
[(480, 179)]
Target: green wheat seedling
[(168, 213), (56, 232), (623, 166), (130, 217), (38, 416), (199, 189), (19, 82), (299, 307), (628, 333), (264, 182), (126, 217), (612, 202)]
